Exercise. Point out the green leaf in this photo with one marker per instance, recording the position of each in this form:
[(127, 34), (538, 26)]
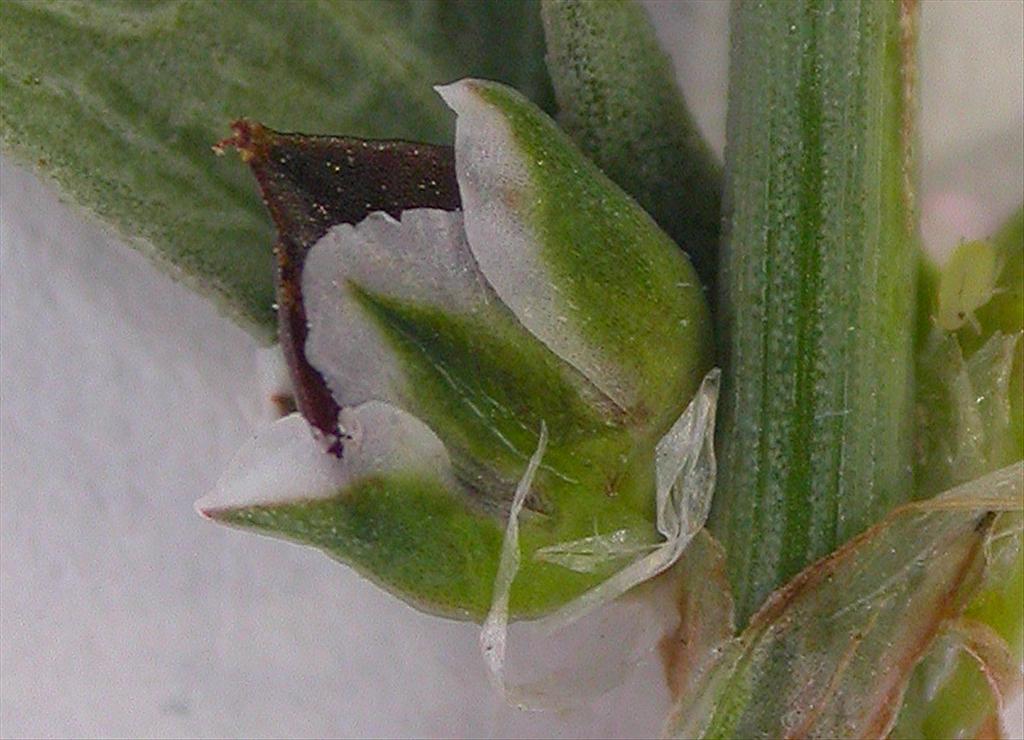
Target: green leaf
[(619, 101), (816, 285), (120, 102), (388, 508), (831, 653)]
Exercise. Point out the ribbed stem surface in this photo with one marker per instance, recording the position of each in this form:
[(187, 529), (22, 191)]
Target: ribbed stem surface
[(817, 283)]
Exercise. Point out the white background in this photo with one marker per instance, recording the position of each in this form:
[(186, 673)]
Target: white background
[(123, 395)]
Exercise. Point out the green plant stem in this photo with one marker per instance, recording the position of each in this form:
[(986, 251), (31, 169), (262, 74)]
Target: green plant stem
[(817, 283)]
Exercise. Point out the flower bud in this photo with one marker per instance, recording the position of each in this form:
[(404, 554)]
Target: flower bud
[(447, 336)]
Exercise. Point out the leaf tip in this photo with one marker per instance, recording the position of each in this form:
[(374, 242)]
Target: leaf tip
[(283, 464), (461, 94), (207, 508), (249, 138)]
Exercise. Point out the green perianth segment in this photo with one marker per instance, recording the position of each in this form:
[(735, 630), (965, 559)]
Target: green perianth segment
[(641, 299), (409, 535), (422, 543), (485, 389)]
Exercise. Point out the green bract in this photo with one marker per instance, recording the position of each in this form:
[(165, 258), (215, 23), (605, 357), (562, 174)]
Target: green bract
[(830, 654), (449, 339)]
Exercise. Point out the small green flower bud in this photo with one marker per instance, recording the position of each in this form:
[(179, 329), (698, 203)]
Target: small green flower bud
[(447, 335)]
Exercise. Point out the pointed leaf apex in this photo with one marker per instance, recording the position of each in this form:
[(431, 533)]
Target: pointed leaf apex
[(250, 138), (284, 464)]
